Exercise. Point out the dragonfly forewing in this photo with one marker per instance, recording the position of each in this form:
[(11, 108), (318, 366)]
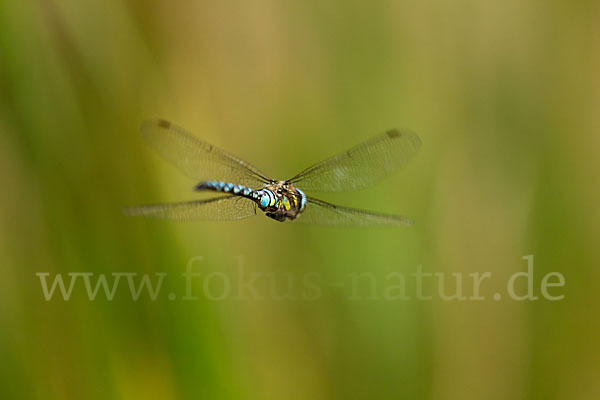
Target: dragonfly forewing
[(198, 159), (362, 165)]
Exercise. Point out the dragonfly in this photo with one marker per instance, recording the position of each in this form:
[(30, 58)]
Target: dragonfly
[(244, 190)]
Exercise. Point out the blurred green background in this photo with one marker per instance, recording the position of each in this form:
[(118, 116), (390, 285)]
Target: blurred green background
[(505, 96)]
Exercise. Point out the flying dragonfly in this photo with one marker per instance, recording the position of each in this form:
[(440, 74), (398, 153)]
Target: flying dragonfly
[(245, 189)]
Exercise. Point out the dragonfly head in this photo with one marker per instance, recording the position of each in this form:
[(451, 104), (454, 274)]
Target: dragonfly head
[(281, 200)]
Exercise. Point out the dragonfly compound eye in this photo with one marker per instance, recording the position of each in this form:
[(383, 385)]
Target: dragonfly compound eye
[(265, 200)]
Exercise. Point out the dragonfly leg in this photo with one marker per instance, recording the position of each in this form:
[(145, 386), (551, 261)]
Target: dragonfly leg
[(276, 217)]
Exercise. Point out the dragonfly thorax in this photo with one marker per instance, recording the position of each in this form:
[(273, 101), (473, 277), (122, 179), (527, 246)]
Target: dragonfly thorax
[(280, 200)]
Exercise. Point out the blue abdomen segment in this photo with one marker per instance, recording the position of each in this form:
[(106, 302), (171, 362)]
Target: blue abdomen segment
[(225, 187)]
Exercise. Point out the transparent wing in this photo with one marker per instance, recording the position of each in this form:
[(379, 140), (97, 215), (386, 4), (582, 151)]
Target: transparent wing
[(319, 212), (197, 158), (362, 165), (215, 209)]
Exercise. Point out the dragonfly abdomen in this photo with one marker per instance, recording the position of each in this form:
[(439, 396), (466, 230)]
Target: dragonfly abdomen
[(225, 187)]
